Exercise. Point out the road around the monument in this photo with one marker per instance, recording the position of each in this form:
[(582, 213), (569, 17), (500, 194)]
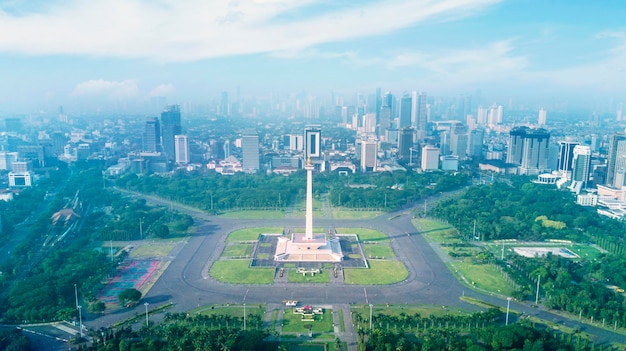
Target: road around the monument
[(187, 284)]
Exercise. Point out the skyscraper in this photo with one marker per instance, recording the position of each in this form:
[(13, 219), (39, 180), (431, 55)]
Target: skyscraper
[(536, 151), (250, 151), (541, 120), (566, 155), (476, 143), (405, 143), (312, 143), (430, 158), (368, 155), (170, 127), (152, 135), (617, 159), (581, 164), (421, 115), (181, 145), (404, 120), (458, 140), (529, 149)]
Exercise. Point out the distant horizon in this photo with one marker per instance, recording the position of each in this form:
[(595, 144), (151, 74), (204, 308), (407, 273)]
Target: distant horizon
[(90, 55)]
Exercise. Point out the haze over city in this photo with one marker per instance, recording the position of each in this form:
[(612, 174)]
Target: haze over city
[(88, 55)]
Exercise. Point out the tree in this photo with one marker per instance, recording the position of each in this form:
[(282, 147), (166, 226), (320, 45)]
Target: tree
[(129, 296), (161, 231)]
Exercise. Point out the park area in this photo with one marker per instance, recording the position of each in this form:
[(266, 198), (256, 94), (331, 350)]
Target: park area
[(462, 258), (233, 266), (145, 263)]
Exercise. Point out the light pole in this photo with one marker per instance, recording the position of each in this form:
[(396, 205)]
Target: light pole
[(80, 319), (508, 304), (371, 316), (146, 304), (244, 317), (76, 294)]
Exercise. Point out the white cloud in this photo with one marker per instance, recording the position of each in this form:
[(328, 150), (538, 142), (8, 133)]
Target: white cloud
[(162, 90), (103, 88), (171, 30)]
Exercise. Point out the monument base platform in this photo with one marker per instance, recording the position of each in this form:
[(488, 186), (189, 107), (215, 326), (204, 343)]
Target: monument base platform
[(299, 248)]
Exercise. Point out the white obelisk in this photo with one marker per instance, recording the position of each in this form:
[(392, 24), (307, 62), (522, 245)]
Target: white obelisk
[(309, 200)]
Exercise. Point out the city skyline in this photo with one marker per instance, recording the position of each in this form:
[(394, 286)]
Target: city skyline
[(100, 53)]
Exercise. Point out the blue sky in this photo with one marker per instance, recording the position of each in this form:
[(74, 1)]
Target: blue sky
[(91, 53)]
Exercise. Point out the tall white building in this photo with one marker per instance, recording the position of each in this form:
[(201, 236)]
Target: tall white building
[(581, 164), (368, 155), (430, 158), (542, 118), (181, 149), (250, 151)]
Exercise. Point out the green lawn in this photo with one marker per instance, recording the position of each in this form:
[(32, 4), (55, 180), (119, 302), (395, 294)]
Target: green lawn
[(248, 234), (379, 250), (350, 214), (380, 272), (365, 234), (238, 250), (295, 277), (409, 310), (230, 310), (292, 323), (238, 272), (150, 249), (434, 230), (485, 277), (254, 214)]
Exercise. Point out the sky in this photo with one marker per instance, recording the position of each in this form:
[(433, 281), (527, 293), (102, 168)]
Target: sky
[(97, 52)]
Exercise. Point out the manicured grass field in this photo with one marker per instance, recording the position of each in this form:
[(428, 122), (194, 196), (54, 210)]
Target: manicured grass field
[(248, 234), (485, 277), (295, 277), (292, 323), (351, 214), (365, 234), (380, 272), (409, 310), (254, 214), (151, 249), (238, 272), (238, 250), (379, 250), (230, 310)]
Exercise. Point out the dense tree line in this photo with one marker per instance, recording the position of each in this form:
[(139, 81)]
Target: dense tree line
[(13, 340), (505, 211), (212, 191), (529, 211), (37, 283), (520, 337)]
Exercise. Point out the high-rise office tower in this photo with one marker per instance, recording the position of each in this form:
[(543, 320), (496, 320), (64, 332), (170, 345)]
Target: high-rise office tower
[(384, 122), (224, 107), (421, 115), (430, 158), (170, 127), (404, 120), (476, 143), (250, 151), (152, 135), (481, 116), (536, 151), (581, 164), (529, 149), (368, 155), (405, 143), (617, 159), (181, 146), (541, 120), (566, 155), (516, 145), (369, 123), (379, 104), (312, 143), (458, 140)]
